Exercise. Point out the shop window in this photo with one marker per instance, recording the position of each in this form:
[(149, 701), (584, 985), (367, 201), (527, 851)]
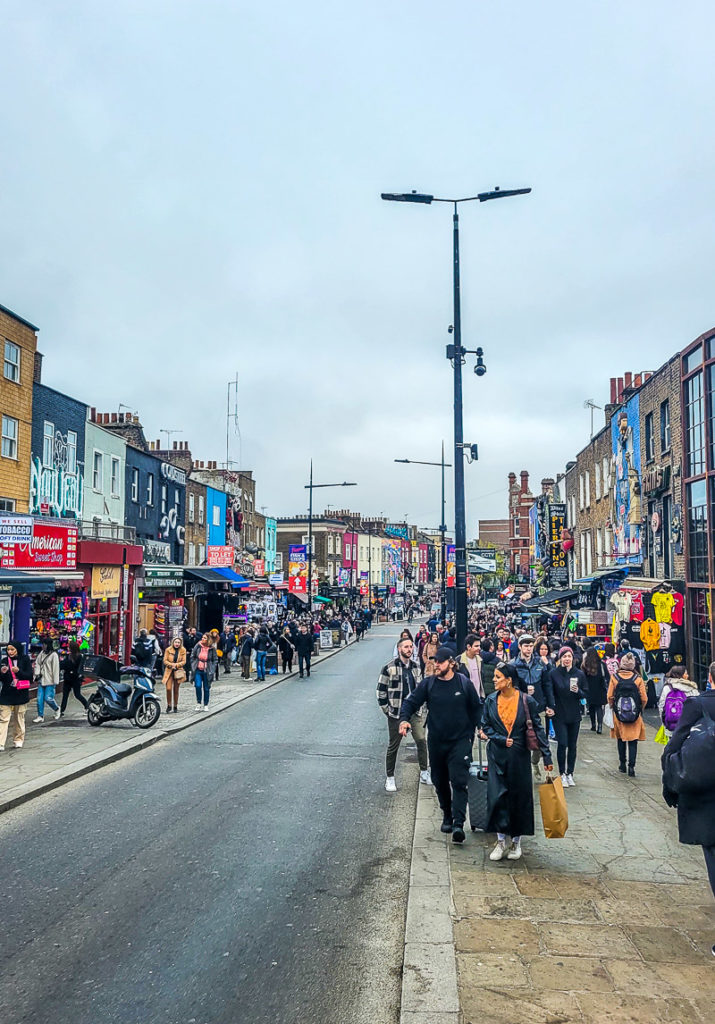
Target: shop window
[(97, 471), (12, 362), (192, 509), (9, 437), (697, 532), (48, 443), (649, 438), (116, 493), (665, 426), (71, 452), (7, 504), (694, 425), (150, 489), (693, 359), (135, 485), (201, 512), (699, 629)]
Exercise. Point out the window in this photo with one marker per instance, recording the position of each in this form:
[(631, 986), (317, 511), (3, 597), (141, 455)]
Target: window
[(12, 362), (9, 437), (191, 509), (202, 554), (694, 426), (330, 543), (666, 539), (150, 488), (606, 470), (201, 512), (588, 489), (164, 498), (97, 471), (599, 548), (693, 360), (48, 443), (699, 622), (649, 438), (279, 561), (216, 515), (581, 490), (598, 481), (135, 485), (192, 554), (348, 552), (71, 452), (608, 545), (665, 426), (7, 504), (116, 493), (517, 526), (697, 532)]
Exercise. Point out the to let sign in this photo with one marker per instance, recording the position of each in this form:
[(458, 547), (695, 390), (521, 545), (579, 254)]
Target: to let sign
[(219, 556), (51, 547)]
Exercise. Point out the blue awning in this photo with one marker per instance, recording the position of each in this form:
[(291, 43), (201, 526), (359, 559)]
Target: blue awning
[(14, 582), (234, 578)]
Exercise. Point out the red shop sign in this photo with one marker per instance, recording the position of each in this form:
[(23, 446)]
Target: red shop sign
[(52, 547)]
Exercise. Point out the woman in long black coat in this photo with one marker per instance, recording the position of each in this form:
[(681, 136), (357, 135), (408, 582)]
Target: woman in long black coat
[(597, 680), (510, 798), (696, 811)]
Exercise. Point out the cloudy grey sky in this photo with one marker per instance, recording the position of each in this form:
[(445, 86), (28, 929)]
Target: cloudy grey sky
[(191, 189)]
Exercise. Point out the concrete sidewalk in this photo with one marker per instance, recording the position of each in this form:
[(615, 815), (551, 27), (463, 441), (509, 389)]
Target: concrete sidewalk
[(611, 925), (58, 751)]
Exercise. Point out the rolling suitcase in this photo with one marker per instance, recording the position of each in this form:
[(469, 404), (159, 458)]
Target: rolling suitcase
[(477, 793)]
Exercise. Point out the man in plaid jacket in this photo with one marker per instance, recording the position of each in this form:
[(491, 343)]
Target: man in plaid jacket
[(397, 681)]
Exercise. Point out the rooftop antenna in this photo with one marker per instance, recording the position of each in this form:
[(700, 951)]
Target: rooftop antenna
[(590, 404), (232, 416), (163, 430)]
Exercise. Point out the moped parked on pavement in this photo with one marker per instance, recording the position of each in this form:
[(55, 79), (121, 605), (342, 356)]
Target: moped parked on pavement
[(130, 696)]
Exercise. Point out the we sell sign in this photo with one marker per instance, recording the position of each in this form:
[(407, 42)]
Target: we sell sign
[(51, 547)]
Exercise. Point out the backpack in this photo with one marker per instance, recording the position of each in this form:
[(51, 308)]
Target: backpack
[(627, 704), (673, 708), (691, 770)]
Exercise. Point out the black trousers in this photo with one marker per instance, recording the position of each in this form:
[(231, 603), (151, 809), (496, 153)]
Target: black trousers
[(709, 853), (566, 740), (450, 775), (304, 660), (596, 713), (76, 689), (632, 752), (287, 660)]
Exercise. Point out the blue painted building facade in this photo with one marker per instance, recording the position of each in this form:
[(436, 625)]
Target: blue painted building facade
[(216, 516), (58, 474)]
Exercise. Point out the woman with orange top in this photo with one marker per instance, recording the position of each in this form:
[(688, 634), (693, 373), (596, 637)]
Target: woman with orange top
[(510, 799)]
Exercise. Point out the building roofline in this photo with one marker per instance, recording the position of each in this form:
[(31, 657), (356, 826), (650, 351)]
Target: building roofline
[(20, 319)]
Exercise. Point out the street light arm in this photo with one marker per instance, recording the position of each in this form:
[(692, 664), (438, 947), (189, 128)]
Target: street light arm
[(419, 462), (313, 486)]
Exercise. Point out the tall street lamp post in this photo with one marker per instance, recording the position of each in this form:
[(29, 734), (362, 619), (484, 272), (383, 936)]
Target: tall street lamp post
[(456, 354), (311, 487), (442, 529)]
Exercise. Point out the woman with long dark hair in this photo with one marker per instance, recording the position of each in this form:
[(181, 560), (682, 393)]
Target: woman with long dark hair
[(597, 679), (15, 676), (505, 722), (72, 676)]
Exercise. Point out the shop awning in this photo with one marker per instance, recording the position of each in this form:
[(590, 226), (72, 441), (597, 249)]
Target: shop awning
[(323, 600), (203, 573), (600, 574), (14, 582), (234, 578), (550, 597)]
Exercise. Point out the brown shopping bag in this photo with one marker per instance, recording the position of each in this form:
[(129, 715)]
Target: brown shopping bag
[(554, 812)]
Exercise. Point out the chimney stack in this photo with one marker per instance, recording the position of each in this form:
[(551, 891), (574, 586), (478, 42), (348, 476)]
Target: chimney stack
[(524, 481), (614, 391)]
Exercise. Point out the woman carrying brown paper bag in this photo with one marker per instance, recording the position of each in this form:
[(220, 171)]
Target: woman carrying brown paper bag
[(174, 672), (505, 723)]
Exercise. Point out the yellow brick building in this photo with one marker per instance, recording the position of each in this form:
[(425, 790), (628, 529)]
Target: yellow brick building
[(18, 342)]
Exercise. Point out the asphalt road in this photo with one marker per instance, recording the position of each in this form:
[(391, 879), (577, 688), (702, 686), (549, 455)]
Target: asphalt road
[(245, 871)]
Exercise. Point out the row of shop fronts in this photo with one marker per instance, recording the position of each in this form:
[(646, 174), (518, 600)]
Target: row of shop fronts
[(57, 583)]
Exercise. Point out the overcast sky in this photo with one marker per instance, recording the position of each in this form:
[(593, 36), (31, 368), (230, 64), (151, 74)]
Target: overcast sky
[(191, 190)]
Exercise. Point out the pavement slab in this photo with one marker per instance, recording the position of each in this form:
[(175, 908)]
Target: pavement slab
[(611, 925)]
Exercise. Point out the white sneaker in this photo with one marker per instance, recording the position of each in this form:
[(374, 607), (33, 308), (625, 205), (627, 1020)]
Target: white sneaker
[(514, 852), (565, 781), (426, 777), (569, 779), (36, 721), (58, 715), (204, 707), (197, 708), (390, 785), (17, 745), (498, 851)]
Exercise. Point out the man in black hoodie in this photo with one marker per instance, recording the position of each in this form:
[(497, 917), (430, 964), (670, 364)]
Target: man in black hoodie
[(455, 712), (304, 650)]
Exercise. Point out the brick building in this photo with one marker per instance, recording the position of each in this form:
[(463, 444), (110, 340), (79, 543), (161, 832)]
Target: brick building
[(494, 533), (327, 543), (520, 502), (21, 363)]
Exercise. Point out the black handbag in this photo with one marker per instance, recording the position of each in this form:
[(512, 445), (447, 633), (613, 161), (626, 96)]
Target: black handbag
[(477, 793), (692, 768)]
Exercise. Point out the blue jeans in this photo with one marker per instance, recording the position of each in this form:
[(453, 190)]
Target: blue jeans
[(203, 686), (46, 693), (261, 664)]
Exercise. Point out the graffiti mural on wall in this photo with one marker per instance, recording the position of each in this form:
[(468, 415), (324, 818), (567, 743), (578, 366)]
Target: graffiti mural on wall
[(57, 489), (626, 513)]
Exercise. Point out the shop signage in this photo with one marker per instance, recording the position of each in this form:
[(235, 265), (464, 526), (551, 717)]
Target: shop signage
[(655, 479), (297, 569), (558, 569), (51, 547), (326, 639), (246, 569), (275, 579), (451, 565), (106, 582), (156, 552), (173, 473), (172, 576), (219, 556), (259, 567), (16, 529)]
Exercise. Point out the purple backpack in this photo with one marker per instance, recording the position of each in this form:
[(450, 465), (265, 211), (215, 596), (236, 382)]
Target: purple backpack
[(673, 708)]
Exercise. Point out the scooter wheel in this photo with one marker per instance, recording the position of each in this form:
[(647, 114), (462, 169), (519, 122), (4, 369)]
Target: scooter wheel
[(94, 716), (147, 715)]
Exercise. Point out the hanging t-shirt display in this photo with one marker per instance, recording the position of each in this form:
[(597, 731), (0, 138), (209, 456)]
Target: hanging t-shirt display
[(663, 604), (650, 635), (637, 612), (677, 612)]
